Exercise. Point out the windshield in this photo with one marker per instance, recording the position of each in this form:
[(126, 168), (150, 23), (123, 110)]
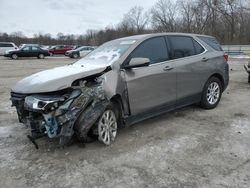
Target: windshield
[(108, 53)]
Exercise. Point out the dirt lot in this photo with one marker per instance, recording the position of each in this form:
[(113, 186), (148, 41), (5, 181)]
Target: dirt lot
[(187, 148)]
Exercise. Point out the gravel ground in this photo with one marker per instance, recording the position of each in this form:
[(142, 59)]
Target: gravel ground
[(190, 147)]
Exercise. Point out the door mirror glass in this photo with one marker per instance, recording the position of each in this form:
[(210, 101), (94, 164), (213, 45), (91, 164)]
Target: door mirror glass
[(137, 62)]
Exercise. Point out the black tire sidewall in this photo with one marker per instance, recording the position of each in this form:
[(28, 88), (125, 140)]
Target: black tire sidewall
[(75, 56), (204, 102), (13, 55)]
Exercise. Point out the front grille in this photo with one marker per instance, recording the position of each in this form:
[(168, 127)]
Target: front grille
[(17, 96)]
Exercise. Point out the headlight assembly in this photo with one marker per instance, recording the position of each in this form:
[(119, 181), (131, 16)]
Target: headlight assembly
[(32, 102)]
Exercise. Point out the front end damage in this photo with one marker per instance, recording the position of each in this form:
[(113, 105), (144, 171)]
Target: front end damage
[(62, 113)]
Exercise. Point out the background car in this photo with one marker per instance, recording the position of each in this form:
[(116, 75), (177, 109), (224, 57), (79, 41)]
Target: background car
[(23, 45), (4, 46), (60, 49), (27, 51), (247, 67), (79, 52)]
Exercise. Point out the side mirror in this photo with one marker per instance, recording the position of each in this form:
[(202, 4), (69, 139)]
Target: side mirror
[(137, 62)]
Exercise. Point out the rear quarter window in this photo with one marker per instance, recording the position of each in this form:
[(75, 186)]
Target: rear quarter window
[(212, 42), (181, 46)]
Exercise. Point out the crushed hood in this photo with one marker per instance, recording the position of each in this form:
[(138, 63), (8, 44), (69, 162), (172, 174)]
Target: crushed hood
[(57, 78)]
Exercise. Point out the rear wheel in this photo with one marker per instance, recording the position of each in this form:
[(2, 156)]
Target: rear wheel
[(211, 93), (41, 56), (14, 56)]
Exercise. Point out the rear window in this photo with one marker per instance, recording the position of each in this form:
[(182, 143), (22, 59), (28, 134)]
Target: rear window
[(212, 42), (6, 45)]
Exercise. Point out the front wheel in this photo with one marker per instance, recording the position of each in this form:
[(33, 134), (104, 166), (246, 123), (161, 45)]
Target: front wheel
[(75, 56), (211, 94), (107, 126)]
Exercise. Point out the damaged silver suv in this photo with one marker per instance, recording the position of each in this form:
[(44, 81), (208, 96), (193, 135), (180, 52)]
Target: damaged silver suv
[(120, 83)]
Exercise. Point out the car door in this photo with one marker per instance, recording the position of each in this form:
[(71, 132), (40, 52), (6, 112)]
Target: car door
[(191, 67), (84, 51), (25, 51), (34, 51), (154, 85)]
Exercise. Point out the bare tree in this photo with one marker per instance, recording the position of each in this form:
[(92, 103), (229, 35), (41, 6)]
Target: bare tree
[(188, 13), (164, 15), (136, 20)]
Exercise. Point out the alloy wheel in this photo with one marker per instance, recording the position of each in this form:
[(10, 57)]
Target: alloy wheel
[(14, 56), (213, 93), (107, 127), (41, 56)]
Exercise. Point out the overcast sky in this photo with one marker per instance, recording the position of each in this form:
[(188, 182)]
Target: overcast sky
[(66, 16)]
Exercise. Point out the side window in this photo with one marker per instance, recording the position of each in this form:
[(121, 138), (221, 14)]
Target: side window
[(198, 48), (182, 46), (27, 48), (9, 45), (34, 48), (155, 49), (212, 42), (2, 45)]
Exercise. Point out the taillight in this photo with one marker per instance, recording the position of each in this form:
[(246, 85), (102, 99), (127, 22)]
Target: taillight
[(225, 56)]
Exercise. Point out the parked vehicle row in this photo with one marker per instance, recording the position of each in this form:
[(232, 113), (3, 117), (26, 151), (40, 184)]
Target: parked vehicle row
[(9, 49)]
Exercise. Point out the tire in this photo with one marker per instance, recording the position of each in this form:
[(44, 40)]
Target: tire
[(14, 56), (211, 94), (40, 56), (75, 56), (107, 126), (249, 78)]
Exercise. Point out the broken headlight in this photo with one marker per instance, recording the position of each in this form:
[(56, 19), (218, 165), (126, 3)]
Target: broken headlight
[(41, 104)]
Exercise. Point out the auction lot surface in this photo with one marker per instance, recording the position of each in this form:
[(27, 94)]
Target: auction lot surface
[(190, 147)]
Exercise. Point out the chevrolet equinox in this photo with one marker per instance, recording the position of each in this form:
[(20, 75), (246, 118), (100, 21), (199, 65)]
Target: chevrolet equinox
[(122, 82)]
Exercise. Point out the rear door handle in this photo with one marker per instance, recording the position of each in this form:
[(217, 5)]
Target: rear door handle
[(204, 59), (168, 68)]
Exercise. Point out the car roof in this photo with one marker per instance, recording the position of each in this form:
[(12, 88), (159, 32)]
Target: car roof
[(144, 36)]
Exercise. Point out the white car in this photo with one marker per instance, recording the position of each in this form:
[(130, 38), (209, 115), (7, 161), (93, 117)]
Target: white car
[(5, 46), (80, 52)]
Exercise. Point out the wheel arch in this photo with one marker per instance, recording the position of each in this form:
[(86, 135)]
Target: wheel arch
[(220, 77), (117, 101)]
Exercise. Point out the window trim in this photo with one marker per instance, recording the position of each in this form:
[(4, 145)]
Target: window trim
[(169, 48), (188, 57)]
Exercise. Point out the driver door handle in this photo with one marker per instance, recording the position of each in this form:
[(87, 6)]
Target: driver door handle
[(168, 68)]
